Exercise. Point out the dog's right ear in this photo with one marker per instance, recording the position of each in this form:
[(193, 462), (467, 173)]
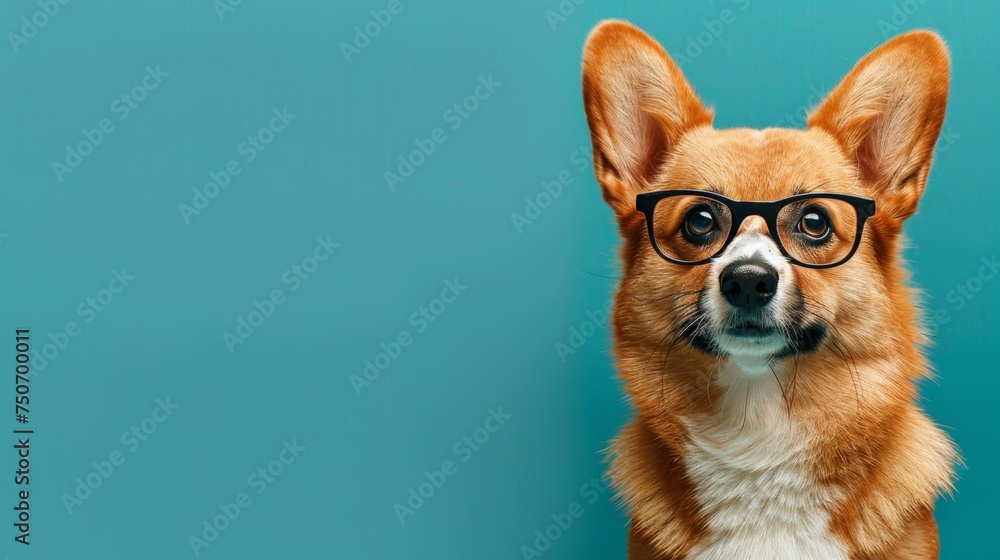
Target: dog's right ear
[(638, 106)]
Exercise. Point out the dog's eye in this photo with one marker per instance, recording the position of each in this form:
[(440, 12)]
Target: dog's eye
[(699, 221), (814, 224)]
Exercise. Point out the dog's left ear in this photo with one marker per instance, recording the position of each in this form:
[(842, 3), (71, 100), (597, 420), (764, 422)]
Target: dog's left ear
[(887, 114)]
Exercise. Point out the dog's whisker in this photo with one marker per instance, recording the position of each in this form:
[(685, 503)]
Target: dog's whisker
[(626, 277), (770, 365), (746, 404), (838, 346)]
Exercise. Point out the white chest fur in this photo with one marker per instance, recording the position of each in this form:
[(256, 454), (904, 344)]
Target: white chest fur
[(756, 491)]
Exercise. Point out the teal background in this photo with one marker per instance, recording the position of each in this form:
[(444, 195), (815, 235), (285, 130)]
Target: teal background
[(493, 346)]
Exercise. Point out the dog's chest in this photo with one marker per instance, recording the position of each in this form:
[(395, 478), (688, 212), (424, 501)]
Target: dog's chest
[(757, 494)]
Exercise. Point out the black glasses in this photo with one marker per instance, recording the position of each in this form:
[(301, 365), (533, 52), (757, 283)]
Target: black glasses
[(814, 230)]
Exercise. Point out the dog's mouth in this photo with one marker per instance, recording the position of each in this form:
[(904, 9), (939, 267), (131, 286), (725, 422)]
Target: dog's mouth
[(757, 337), (751, 329)]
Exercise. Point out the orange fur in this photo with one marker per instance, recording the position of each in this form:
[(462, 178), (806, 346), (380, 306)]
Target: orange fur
[(868, 443)]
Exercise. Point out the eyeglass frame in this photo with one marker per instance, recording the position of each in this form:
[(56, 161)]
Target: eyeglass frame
[(740, 210)]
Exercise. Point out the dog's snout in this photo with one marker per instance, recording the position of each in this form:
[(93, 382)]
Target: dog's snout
[(748, 284)]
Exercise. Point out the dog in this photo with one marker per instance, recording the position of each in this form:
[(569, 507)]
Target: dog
[(764, 327)]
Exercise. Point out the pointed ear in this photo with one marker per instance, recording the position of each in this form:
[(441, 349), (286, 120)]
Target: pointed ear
[(887, 114), (638, 106)]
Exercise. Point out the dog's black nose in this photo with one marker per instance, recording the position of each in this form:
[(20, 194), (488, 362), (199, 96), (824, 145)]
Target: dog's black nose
[(748, 285)]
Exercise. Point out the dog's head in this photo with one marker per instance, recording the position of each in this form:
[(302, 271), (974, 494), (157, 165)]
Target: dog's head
[(753, 264)]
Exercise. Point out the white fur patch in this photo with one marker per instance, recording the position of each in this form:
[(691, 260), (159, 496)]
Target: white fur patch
[(756, 491), (751, 355)]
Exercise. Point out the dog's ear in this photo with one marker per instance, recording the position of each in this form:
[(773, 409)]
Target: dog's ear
[(887, 114), (638, 106)]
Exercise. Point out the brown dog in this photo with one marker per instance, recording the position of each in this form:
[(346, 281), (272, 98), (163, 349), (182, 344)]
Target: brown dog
[(764, 328)]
